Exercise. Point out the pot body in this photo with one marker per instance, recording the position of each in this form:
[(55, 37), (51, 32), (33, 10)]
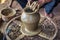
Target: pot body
[(30, 20), (7, 14)]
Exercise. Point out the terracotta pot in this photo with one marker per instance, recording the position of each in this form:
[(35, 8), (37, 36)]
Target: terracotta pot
[(7, 13), (30, 19)]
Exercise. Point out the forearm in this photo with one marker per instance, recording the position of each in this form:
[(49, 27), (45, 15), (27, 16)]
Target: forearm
[(49, 7), (42, 2)]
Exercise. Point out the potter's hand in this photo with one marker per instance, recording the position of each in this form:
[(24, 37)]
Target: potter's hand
[(31, 2), (28, 3), (34, 6)]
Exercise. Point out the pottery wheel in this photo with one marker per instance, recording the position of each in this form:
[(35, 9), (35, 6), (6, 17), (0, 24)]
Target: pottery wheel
[(30, 33), (13, 29)]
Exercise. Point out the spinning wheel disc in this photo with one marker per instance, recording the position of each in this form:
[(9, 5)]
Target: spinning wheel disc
[(48, 29)]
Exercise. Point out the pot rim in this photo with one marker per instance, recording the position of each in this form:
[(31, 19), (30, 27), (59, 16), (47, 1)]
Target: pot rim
[(30, 8), (11, 14)]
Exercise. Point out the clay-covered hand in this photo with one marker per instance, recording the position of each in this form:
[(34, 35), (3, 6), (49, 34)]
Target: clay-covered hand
[(34, 6)]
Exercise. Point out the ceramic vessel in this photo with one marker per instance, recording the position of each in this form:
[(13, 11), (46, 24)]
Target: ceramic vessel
[(7, 13), (30, 19)]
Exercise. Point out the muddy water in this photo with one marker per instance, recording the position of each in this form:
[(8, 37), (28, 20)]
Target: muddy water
[(6, 12)]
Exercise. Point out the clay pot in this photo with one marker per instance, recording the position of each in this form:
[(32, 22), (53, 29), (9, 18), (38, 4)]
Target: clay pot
[(7, 13), (30, 19)]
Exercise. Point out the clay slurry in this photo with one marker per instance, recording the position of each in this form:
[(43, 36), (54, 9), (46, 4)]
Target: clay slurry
[(6, 12), (28, 10)]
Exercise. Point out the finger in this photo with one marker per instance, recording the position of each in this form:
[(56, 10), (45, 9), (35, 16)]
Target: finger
[(33, 4), (35, 7)]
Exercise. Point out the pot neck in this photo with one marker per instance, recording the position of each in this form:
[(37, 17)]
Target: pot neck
[(29, 11)]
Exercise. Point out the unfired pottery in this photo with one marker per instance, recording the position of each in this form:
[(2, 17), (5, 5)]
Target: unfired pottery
[(30, 19), (7, 13)]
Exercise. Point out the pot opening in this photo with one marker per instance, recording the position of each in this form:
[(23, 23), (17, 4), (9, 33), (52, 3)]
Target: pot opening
[(6, 12), (2, 1), (28, 10)]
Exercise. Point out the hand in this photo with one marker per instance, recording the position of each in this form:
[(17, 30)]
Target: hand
[(34, 6)]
